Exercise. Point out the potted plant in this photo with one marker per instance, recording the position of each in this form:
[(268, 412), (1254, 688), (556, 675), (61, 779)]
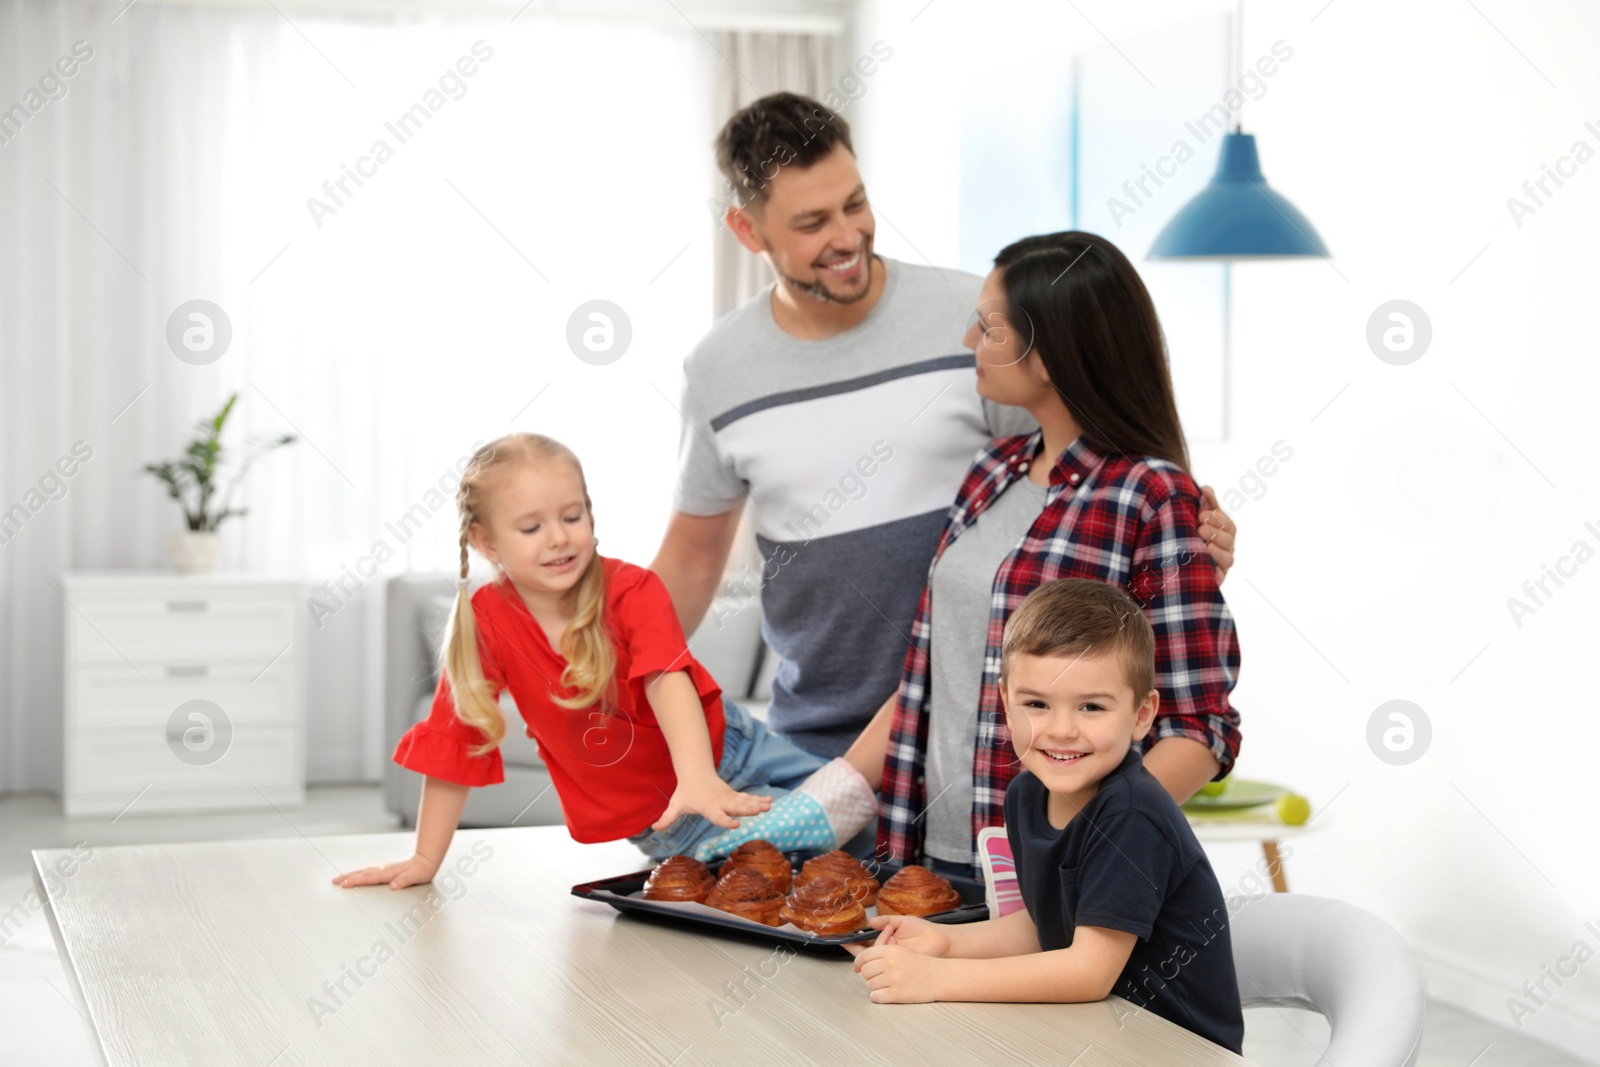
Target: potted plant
[(191, 480)]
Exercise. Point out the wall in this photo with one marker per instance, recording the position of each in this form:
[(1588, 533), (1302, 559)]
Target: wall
[(1377, 563)]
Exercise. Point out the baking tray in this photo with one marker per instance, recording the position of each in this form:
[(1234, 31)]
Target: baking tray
[(621, 893)]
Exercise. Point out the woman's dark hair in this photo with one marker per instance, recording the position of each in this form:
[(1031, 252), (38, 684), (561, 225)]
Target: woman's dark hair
[(779, 130), (1091, 319)]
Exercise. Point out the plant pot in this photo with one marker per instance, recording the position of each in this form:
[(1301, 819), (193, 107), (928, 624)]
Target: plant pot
[(194, 551)]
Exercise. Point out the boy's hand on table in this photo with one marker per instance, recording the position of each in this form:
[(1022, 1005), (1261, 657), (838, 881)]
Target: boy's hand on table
[(418, 870), (907, 931), (899, 975), (712, 798)]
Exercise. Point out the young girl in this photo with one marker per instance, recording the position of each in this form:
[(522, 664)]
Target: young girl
[(634, 732)]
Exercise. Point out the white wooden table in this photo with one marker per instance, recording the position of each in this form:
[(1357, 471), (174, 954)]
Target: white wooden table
[(243, 953)]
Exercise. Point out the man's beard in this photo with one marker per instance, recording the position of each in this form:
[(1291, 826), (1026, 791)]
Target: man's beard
[(818, 291)]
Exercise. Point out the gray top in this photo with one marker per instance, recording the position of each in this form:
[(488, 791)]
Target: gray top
[(959, 618), (850, 450)]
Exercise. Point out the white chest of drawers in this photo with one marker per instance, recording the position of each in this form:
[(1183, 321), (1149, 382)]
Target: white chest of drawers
[(183, 693)]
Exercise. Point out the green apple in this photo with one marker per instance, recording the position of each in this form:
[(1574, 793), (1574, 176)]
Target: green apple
[(1214, 789), (1293, 809)]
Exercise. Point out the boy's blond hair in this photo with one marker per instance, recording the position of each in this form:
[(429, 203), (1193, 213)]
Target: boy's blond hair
[(1076, 616)]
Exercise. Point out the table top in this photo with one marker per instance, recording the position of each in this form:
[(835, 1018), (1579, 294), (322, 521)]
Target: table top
[(1250, 824), (241, 952)]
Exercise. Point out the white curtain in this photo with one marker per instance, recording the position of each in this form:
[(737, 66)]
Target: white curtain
[(756, 64), (427, 311)]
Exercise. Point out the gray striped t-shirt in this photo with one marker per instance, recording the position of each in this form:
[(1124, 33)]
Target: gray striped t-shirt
[(850, 450)]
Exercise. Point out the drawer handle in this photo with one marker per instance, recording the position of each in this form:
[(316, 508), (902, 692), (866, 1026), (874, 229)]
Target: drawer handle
[(196, 671), (186, 605)]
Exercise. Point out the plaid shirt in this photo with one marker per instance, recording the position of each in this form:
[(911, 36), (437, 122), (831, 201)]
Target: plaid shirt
[(1130, 521)]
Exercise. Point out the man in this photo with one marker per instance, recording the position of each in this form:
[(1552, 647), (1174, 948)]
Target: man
[(843, 403)]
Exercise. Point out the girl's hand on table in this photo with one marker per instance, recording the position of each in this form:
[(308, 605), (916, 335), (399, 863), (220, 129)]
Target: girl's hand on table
[(417, 870), (714, 799), (907, 931), (899, 975)]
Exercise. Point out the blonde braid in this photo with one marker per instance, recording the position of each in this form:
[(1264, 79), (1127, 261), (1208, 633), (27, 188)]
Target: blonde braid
[(459, 663)]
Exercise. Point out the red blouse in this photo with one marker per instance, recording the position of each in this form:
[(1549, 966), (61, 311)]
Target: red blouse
[(613, 773)]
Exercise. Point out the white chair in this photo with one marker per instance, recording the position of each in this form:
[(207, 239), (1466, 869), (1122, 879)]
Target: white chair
[(1346, 964)]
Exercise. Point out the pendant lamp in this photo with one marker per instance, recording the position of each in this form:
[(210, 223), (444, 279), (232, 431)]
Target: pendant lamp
[(1238, 216)]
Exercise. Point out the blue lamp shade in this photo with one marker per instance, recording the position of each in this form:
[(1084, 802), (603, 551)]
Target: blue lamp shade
[(1237, 216)]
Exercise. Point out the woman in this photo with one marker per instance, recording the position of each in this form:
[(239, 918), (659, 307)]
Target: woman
[(1067, 330)]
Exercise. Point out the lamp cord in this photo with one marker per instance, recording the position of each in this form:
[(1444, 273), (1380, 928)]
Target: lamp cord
[(1236, 58)]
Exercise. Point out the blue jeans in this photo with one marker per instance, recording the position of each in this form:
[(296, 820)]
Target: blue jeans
[(754, 760), (945, 869)]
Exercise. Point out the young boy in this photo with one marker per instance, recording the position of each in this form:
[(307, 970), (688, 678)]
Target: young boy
[(1119, 896)]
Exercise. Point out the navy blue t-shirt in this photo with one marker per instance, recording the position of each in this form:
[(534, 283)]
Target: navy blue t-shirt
[(1129, 861)]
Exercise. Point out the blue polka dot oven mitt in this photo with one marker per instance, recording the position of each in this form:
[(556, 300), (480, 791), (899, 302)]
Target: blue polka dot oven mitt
[(826, 810)]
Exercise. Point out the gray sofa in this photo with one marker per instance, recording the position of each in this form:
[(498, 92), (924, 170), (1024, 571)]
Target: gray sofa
[(418, 606)]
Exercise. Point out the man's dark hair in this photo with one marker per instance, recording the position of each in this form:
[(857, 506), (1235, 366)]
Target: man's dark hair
[(779, 130)]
